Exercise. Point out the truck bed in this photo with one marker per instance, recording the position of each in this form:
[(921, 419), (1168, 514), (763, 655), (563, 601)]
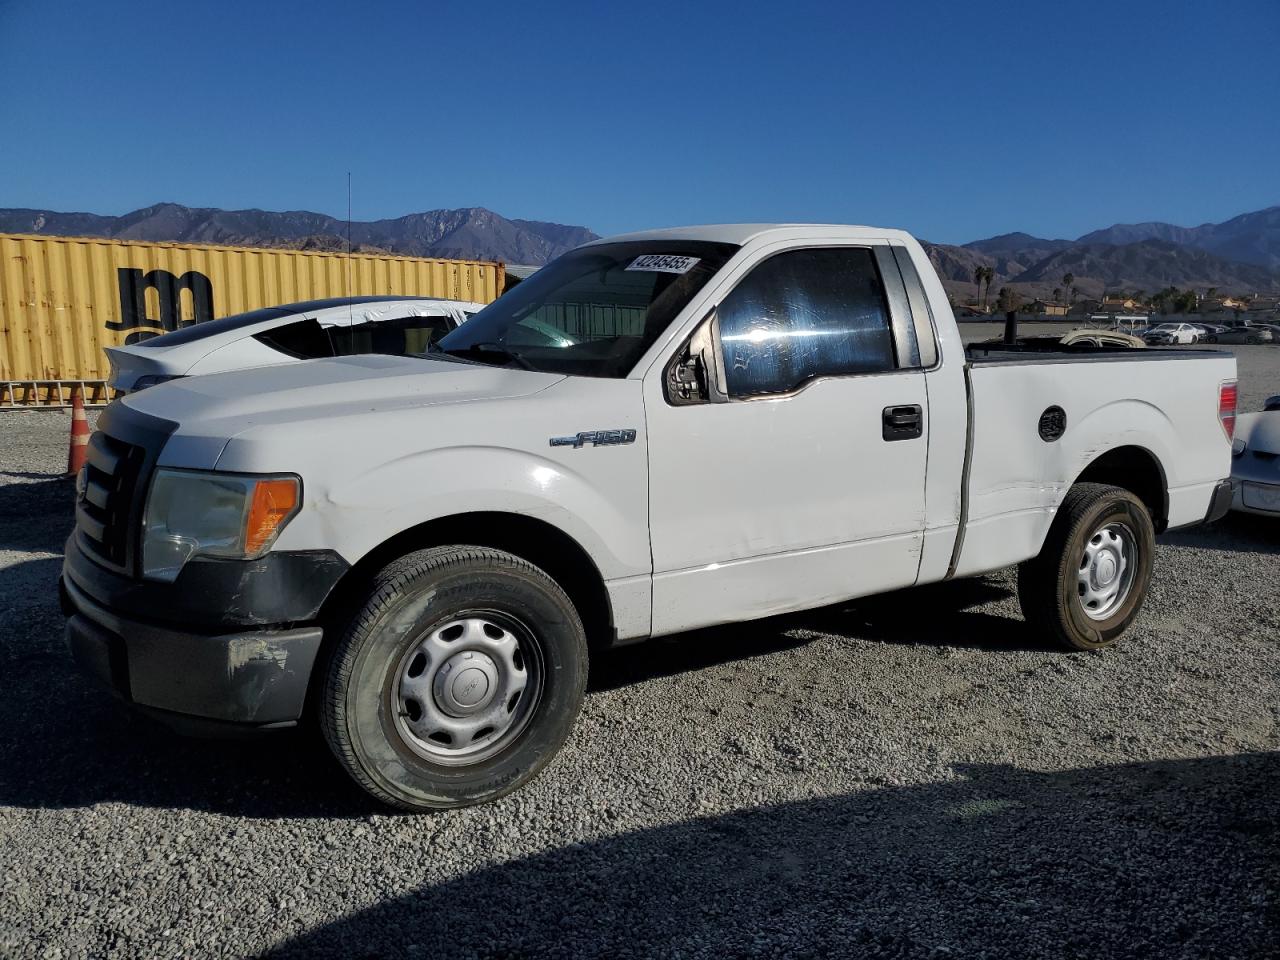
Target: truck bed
[(1157, 404)]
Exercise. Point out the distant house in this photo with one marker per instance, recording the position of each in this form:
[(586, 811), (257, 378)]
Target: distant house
[(1085, 308), (1113, 303), (1051, 308)]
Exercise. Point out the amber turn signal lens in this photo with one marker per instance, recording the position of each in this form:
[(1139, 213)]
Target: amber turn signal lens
[(274, 501)]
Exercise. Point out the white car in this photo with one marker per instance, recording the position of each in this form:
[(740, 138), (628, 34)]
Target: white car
[(1256, 461), (339, 327), (1172, 333)]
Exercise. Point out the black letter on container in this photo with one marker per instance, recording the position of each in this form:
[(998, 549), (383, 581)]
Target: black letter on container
[(133, 301)]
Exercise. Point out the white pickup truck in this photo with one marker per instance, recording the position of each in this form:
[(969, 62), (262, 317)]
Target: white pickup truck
[(657, 432)]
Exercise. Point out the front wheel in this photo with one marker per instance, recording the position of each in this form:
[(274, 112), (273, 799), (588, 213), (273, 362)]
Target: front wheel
[(1094, 571), (457, 682)]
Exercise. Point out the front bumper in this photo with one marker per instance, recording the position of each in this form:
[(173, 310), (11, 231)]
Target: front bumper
[(229, 642), (253, 677)]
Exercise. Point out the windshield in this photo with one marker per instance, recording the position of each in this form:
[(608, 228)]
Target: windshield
[(594, 311)]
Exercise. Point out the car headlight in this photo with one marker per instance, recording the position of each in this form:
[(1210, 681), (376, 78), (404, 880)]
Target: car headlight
[(1238, 447), (153, 379), (213, 515)]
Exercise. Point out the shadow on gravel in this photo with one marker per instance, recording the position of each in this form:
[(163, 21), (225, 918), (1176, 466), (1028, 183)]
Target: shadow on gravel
[(1235, 533), (37, 516), (85, 748), (1172, 858), (937, 615), (64, 744)]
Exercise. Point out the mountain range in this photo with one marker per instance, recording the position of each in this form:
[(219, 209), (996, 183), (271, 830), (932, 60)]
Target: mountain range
[(1240, 255), (468, 233)]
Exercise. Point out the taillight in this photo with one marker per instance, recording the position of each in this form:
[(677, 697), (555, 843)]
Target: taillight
[(1227, 394)]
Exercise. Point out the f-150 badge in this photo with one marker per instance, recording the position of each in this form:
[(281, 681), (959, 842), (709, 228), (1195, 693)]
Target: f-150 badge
[(597, 438)]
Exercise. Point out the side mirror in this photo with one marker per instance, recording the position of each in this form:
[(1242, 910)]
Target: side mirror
[(687, 380), (693, 375)]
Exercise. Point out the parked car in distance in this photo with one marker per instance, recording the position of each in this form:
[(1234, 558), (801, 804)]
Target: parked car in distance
[(1172, 333), (338, 327), (1243, 334), (1255, 461), (1208, 331), (654, 433)]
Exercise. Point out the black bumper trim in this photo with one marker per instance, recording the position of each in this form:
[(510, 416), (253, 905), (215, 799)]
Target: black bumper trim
[(255, 677), (214, 595), (1220, 502)]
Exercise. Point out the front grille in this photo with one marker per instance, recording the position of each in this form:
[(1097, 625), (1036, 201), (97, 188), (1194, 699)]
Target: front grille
[(104, 511)]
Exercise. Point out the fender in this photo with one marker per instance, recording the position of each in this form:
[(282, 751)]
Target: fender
[(474, 479)]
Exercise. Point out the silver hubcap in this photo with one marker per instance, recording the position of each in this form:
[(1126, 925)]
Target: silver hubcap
[(467, 688), (1106, 570)]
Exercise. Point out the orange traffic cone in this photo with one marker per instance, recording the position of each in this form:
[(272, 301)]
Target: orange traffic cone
[(79, 435)]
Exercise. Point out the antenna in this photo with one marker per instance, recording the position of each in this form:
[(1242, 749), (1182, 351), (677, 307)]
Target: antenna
[(349, 292)]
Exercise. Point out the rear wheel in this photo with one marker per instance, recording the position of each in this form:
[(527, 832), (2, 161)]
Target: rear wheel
[(458, 680), (1094, 571)]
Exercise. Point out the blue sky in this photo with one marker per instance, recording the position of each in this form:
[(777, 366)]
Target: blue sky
[(954, 120)]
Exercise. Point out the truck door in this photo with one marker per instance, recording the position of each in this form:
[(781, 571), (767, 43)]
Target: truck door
[(795, 476)]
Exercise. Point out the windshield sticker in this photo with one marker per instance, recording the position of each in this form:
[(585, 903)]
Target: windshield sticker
[(662, 263)]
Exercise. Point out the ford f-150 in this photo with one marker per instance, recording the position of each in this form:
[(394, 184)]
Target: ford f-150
[(654, 433)]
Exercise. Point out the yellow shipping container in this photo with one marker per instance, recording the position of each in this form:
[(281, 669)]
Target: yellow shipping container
[(62, 299)]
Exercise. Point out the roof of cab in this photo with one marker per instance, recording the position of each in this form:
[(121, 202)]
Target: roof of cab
[(742, 233)]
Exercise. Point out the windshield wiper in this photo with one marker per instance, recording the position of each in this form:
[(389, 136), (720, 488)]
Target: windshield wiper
[(491, 348)]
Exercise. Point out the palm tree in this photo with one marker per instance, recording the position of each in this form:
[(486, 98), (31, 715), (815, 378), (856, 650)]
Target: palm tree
[(1057, 294), (988, 275), (1067, 280), (979, 274)]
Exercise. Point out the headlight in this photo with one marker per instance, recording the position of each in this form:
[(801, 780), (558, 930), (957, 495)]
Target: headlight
[(214, 515), (1238, 447), (152, 379)]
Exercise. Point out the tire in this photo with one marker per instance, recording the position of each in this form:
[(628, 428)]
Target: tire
[(1064, 591), (399, 706)]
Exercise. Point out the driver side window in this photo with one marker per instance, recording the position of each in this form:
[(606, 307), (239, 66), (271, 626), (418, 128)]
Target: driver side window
[(804, 314)]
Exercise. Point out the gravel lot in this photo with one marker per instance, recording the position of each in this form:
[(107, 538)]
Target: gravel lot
[(911, 776)]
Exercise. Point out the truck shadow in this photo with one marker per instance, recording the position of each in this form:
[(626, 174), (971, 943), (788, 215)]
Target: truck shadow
[(936, 615), (83, 747), (36, 516), (1146, 859), (1234, 533)]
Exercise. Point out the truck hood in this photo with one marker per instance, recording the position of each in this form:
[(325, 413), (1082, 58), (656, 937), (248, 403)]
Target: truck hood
[(218, 406)]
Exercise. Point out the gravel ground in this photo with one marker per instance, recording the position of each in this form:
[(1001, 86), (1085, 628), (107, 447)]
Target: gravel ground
[(910, 776)]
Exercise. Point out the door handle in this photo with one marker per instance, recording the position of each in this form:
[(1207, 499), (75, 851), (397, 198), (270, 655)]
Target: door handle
[(902, 423)]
